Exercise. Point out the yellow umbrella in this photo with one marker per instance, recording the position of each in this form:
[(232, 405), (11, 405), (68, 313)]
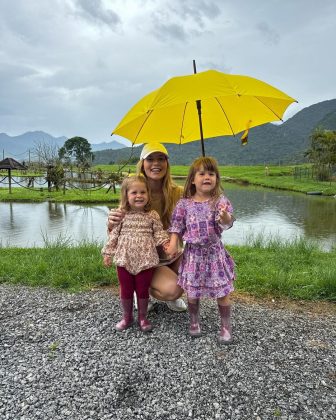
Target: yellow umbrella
[(202, 105)]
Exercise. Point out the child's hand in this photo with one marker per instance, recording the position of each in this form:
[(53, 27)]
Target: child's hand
[(107, 261), (171, 250), (224, 216)]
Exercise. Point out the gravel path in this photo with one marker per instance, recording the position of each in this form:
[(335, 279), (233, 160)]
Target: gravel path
[(60, 358)]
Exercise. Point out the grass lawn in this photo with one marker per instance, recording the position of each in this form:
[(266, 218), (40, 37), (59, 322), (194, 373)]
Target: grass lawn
[(279, 177), (297, 270)]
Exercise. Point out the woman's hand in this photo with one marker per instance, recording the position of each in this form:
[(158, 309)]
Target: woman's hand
[(107, 261), (115, 216)]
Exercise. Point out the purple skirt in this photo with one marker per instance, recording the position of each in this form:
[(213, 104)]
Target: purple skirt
[(206, 271)]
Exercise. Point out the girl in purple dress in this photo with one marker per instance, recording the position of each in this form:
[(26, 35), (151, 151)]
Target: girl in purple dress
[(207, 269)]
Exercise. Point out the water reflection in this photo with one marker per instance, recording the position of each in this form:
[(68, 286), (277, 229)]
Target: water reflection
[(258, 211), (282, 213)]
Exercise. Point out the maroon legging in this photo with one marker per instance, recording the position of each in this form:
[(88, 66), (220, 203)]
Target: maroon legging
[(138, 283)]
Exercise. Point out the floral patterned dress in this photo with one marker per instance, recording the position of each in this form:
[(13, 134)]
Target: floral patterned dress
[(207, 269), (133, 242)]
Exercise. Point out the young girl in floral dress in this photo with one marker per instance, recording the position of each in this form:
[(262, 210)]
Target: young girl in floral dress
[(132, 244), (207, 269)]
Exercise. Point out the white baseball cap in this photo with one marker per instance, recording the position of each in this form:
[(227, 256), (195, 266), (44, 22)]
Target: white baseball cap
[(150, 148)]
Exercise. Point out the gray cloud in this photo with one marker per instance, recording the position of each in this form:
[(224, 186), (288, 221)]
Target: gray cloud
[(197, 10), (77, 67), (183, 20), (164, 30), (270, 36), (95, 11)]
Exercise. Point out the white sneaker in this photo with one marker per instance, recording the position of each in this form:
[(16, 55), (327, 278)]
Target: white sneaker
[(151, 303), (177, 305)]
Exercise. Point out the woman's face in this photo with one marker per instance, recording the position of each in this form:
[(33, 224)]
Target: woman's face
[(155, 166)]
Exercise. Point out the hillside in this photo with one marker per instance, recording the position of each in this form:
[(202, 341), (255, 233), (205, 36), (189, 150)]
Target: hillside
[(22, 146), (268, 144)]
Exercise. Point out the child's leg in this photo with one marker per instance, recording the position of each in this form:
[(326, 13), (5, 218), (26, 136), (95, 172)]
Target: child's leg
[(194, 325), (126, 282), (224, 308), (142, 285)]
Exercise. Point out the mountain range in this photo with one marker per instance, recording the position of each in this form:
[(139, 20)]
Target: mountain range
[(23, 146), (283, 143)]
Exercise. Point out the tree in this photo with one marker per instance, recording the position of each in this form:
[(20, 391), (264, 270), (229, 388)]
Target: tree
[(322, 152), (77, 149), (48, 157), (47, 153), (55, 176)]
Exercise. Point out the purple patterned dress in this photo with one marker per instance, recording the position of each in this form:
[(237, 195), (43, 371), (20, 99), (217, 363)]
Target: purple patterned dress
[(207, 269)]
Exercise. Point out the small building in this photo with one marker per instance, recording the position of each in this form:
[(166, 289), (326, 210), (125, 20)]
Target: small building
[(9, 164)]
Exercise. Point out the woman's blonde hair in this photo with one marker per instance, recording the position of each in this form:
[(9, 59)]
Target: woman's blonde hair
[(126, 185), (167, 189), (207, 163)]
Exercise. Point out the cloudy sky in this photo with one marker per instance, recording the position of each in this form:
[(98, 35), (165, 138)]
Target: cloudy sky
[(74, 67)]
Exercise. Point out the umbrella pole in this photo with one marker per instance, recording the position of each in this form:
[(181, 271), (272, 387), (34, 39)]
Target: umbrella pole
[(199, 110)]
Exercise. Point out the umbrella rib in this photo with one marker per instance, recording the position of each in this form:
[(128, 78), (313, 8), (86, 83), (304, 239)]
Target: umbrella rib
[(268, 108), (225, 115), (148, 115), (184, 112)]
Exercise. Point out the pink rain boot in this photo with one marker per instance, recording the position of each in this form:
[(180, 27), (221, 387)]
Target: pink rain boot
[(144, 324), (127, 311), (225, 332), (194, 325)]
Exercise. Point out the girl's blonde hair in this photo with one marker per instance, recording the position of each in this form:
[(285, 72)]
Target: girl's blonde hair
[(167, 189), (205, 163), (126, 185)]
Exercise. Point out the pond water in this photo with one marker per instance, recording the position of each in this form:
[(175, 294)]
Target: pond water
[(271, 213)]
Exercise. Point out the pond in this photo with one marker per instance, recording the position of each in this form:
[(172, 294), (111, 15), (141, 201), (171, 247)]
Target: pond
[(271, 213)]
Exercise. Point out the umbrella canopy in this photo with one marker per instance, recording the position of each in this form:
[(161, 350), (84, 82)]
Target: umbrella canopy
[(225, 104)]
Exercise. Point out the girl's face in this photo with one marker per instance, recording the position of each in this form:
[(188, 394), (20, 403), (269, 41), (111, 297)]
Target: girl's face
[(137, 196), (155, 166), (204, 181)]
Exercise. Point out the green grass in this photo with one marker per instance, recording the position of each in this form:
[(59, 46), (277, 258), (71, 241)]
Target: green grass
[(297, 270), (279, 177), (73, 268), (70, 196)]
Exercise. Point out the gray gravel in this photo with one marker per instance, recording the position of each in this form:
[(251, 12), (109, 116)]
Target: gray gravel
[(60, 358)]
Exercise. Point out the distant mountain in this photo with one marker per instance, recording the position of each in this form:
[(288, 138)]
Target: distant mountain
[(22, 146), (107, 145), (268, 144)]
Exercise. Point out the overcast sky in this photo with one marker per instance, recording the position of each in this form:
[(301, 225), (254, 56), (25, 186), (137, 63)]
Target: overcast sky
[(75, 67)]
